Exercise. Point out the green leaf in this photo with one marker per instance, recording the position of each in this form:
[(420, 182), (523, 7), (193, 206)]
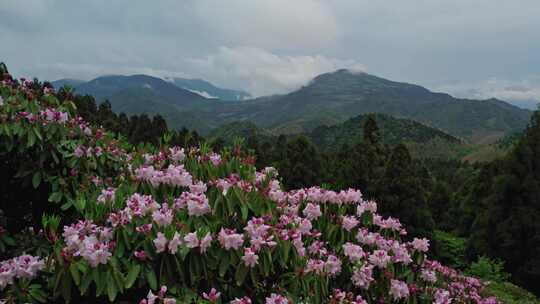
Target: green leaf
[(38, 134), (55, 197), (31, 139), (240, 275), (37, 294), (85, 283), (112, 291), (244, 211), (66, 288), (151, 277), (224, 264), (75, 274), (132, 275), (36, 179)]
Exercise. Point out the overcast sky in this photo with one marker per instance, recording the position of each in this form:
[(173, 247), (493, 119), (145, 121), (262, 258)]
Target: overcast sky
[(470, 48)]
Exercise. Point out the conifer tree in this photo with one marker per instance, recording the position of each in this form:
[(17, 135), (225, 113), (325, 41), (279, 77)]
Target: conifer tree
[(402, 195)]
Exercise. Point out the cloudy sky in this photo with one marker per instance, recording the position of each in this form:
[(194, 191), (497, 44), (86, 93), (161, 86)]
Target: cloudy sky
[(470, 48)]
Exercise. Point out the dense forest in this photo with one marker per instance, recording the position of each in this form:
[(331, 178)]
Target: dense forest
[(482, 218)]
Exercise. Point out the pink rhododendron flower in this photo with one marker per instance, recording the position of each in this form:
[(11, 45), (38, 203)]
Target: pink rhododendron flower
[(428, 276), (276, 299), (400, 254), (244, 300), (363, 276), (421, 245), (174, 243), (144, 229), (312, 211), (359, 300), (21, 267), (198, 205), (206, 242), (141, 255), (315, 266), (160, 242), (89, 241), (79, 152), (191, 239), (250, 258), (399, 290), (353, 252), (107, 195), (177, 154), (349, 222), (198, 188), (163, 217), (229, 239), (379, 258), (215, 159), (442, 297), (212, 296), (332, 266)]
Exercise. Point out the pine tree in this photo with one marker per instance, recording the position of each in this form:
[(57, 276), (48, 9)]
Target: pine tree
[(401, 194), (302, 165)]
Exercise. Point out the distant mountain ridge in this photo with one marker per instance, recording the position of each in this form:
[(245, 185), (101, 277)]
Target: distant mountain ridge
[(332, 98), (329, 99), (73, 83)]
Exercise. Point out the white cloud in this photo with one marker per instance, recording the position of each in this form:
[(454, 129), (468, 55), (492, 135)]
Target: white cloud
[(281, 24), (203, 94), (523, 93), (261, 72), (286, 41)]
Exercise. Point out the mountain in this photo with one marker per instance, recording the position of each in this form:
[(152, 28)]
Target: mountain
[(328, 99), (332, 98), (107, 86), (392, 131), (137, 94), (208, 90), (423, 141), (67, 81)]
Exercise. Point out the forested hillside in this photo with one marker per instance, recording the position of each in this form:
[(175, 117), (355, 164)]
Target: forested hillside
[(89, 217)]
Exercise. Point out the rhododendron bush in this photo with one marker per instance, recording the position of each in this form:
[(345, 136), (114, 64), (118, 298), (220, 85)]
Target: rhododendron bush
[(172, 225)]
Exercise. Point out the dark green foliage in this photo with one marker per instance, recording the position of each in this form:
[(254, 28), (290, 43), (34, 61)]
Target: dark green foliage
[(402, 194), (400, 185), (449, 249), (488, 270), (302, 165), (422, 141), (136, 128), (507, 205)]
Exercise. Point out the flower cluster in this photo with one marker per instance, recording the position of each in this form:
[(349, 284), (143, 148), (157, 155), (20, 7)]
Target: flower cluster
[(21, 267), (176, 176), (89, 241), (53, 115), (107, 195), (151, 298)]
